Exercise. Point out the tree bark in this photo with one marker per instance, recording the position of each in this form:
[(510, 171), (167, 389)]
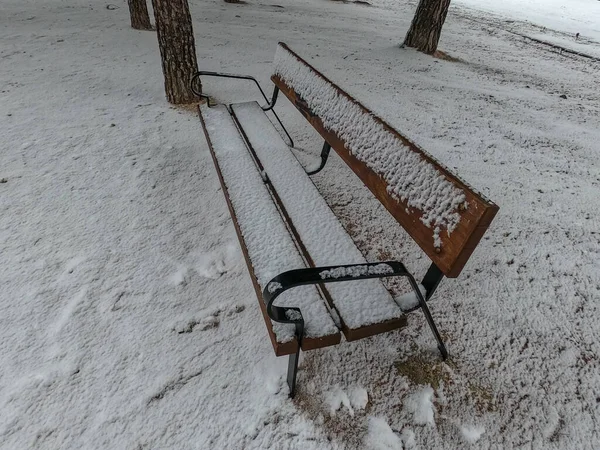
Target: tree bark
[(426, 28), (177, 48), (138, 10)]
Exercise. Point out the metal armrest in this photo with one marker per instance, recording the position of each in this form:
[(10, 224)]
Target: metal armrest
[(268, 107), (333, 274), (205, 73)]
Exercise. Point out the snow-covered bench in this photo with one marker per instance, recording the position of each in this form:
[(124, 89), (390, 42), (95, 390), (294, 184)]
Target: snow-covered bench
[(296, 250)]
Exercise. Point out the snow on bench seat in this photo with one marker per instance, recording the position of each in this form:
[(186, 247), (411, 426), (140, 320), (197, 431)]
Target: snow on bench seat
[(365, 307), (268, 246)]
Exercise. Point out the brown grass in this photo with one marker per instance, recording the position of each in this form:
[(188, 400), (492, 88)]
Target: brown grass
[(422, 371)]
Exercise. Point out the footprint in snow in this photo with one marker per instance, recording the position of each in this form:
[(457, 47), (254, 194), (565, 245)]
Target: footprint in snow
[(205, 320), (353, 399), (210, 266), (205, 265)]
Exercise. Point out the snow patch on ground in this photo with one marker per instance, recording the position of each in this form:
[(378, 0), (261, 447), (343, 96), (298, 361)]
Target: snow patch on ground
[(409, 300), (359, 398), (472, 433), (210, 265), (335, 398), (67, 312), (380, 436), (420, 405), (180, 277), (571, 16), (207, 264), (408, 438)]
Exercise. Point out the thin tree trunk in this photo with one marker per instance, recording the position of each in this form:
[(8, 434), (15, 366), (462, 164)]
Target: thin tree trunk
[(426, 28), (177, 48), (138, 10)]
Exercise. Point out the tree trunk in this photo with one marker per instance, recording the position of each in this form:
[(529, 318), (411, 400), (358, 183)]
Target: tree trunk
[(138, 10), (426, 27), (177, 48)]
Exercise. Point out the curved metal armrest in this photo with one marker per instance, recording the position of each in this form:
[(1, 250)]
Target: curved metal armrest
[(205, 73), (268, 107), (329, 274), (333, 274)]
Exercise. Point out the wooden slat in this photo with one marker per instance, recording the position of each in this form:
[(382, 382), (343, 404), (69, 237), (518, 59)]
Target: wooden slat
[(305, 210), (374, 329), (279, 348), (475, 219)]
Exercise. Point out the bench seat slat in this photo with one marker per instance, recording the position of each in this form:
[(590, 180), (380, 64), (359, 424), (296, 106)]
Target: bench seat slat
[(268, 247), (365, 307)]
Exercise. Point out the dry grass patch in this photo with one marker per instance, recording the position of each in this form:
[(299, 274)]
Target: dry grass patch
[(423, 371)]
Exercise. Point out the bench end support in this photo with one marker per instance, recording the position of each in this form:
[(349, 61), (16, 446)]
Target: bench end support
[(431, 280), (293, 361), (324, 155), (435, 279)]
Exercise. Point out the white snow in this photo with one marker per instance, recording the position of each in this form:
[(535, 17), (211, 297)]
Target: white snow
[(179, 277), (336, 317), (359, 398), (337, 398), (472, 433), (351, 400), (206, 319), (409, 177), (408, 438), (358, 303), (108, 369), (355, 271), (553, 423), (270, 246), (409, 300), (381, 437), (274, 286), (420, 405), (570, 16), (210, 267)]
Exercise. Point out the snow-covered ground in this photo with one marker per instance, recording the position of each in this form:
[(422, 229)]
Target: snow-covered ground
[(127, 318), (567, 16)]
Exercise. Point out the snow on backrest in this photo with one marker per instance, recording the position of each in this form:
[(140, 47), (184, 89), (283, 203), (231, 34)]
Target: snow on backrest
[(409, 177), (443, 215)]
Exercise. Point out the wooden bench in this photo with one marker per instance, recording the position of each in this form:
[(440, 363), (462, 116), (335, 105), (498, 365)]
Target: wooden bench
[(296, 249)]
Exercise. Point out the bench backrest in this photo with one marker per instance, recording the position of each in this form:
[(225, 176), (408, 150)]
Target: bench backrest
[(439, 211)]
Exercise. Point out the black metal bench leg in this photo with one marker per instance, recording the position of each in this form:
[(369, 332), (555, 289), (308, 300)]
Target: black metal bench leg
[(429, 318), (431, 280), (293, 372), (436, 333), (294, 358)]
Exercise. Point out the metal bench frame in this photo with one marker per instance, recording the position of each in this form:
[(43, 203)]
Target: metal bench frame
[(306, 276), (300, 277), (270, 104)]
